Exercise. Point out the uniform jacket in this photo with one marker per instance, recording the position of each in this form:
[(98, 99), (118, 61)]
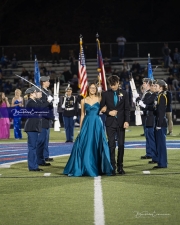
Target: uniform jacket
[(122, 106), (46, 122), (33, 124), (160, 109), (69, 110)]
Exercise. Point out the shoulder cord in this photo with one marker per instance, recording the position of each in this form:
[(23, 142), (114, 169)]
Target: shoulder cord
[(160, 96)]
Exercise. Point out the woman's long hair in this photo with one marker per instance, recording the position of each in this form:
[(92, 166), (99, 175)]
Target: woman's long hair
[(1, 99), (93, 83)]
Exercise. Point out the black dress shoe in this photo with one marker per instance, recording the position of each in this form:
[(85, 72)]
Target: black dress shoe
[(121, 171), (152, 162), (45, 164), (113, 173), (158, 167), (49, 159), (38, 169), (67, 141), (142, 135), (146, 157)]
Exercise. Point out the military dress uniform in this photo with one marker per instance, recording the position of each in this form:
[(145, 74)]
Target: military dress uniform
[(148, 125), (32, 127), (69, 115), (161, 129), (43, 139)]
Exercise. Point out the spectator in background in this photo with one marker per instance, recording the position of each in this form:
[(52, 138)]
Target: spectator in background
[(121, 46), (25, 74), (4, 61), (74, 83), (55, 51), (7, 87), (67, 74), (169, 112), (175, 83), (169, 82), (174, 70), (125, 66), (176, 56), (124, 75), (1, 82), (43, 68), (107, 65), (135, 67), (14, 61), (115, 72), (61, 78), (166, 55), (74, 66)]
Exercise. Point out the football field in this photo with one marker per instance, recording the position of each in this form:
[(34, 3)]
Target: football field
[(142, 196)]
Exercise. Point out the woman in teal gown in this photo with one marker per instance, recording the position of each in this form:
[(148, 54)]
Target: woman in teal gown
[(90, 153)]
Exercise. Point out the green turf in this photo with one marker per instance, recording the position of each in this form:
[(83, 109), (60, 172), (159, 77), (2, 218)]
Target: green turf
[(132, 134), (29, 198)]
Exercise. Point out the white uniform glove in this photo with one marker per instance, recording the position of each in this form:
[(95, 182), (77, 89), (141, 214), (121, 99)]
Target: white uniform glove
[(134, 100), (142, 104), (141, 113), (50, 98), (74, 117), (135, 95), (99, 89), (137, 112)]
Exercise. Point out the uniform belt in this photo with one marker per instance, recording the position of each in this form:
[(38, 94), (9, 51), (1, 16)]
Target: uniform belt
[(68, 109)]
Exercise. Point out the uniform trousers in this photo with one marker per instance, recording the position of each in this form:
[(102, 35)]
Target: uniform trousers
[(69, 127), (41, 146), (161, 146), (150, 143), (32, 145), (46, 147)]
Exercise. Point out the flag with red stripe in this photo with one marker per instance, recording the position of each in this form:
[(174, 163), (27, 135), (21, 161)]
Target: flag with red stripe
[(100, 69), (82, 75)]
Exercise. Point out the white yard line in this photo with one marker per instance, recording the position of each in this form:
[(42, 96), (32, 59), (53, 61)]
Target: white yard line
[(98, 202)]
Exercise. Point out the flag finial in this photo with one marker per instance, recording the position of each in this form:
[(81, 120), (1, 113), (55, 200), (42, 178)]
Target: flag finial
[(97, 35), (80, 36)]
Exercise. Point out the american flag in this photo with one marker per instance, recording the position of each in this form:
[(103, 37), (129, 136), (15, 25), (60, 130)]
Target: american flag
[(82, 72), (36, 73), (150, 71), (100, 69)]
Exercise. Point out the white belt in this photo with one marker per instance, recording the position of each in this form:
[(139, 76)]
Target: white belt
[(69, 108), (79, 106)]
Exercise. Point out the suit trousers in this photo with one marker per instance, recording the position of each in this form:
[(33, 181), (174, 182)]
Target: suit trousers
[(115, 131)]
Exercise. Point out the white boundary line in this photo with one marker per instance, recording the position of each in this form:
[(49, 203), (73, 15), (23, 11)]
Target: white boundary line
[(98, 202)]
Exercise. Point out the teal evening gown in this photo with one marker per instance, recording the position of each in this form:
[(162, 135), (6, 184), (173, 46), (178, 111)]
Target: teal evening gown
[(90, 154)]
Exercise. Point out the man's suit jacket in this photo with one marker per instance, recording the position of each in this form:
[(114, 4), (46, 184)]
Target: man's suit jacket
[(122, 106)]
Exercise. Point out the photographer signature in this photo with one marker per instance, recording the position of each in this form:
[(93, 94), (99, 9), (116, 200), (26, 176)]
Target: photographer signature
[(26, 112), (146, 213)]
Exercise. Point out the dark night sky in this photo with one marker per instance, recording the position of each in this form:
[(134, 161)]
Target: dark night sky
[(37, 22)]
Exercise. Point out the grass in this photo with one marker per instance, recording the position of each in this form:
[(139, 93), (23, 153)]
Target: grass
[(29, 198)]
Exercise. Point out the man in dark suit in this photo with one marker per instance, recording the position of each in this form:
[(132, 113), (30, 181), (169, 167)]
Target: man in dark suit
[(115, 104)]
